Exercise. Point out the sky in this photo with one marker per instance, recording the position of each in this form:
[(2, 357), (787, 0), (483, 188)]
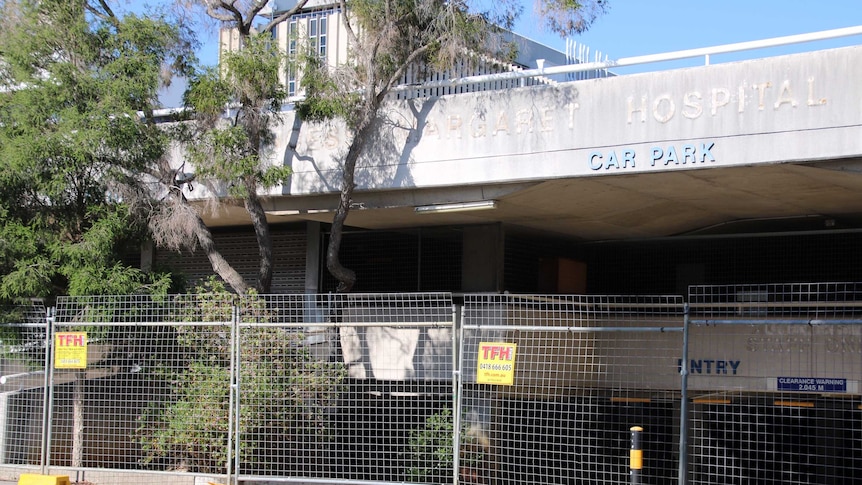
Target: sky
[(640, 27)]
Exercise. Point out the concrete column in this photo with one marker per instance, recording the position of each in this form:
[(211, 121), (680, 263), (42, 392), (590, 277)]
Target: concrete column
[(482, 259), (312, 257)]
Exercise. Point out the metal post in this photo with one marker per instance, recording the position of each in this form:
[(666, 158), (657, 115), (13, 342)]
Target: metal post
[(232, 397), (636, 456), (683, 409), (237, 384), (47, 392), (458, 361)]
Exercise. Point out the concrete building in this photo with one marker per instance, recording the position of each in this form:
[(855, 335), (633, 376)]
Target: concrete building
[(744, 172)]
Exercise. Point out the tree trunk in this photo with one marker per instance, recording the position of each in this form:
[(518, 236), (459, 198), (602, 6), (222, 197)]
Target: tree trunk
[(219, 264), (264, 242), (345, 276), (78, 420)]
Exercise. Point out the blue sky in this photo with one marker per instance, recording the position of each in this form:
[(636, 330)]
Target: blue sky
[(640, 27)]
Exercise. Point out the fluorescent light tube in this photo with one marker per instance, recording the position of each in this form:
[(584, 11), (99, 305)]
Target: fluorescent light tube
[(458, 207)]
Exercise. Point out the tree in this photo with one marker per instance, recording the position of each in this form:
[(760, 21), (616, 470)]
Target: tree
[(78, 85), (286, 390), (229, 154), (232, 154)]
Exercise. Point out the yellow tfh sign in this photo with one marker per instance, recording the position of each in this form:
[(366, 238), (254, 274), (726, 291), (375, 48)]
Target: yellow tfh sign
[(70, 350), (496, 363)]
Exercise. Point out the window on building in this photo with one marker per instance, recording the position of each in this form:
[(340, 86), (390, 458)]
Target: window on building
[(317, 27), (307, 31), (291, 55)]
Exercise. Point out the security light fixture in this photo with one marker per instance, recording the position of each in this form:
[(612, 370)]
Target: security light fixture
[(458, 207)]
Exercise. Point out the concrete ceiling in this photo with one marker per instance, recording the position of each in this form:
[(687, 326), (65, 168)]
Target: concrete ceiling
[(780, 197)]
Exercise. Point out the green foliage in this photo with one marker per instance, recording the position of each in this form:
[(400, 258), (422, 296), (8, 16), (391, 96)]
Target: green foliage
[(71, 136), (233, 151), (253, 73), (20, 340), (568, 17), (431, 449), (432, 445), (208, 93), (390, 37), (285, 390), (324, 99)]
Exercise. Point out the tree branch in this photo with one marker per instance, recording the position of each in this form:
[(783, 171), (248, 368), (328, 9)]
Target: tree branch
[(281, 18), (396, 76), (345, 21), (105, 14), (232, 15)]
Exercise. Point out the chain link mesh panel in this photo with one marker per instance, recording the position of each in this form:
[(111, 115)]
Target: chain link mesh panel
[(582, 371), (332, 386), (774, 375), (22, 382), (154, 394)]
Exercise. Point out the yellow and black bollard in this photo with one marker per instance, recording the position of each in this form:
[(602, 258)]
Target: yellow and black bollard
[(636, 456)]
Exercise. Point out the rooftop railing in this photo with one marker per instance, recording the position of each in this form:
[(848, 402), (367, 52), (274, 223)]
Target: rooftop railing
[(704, 52)]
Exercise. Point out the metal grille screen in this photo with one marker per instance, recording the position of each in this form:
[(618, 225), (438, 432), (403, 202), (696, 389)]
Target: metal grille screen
[(420, 260), (670, 266), (240, 249)]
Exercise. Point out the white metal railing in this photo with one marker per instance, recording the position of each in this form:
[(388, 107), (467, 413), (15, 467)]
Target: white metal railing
[(645, 59)]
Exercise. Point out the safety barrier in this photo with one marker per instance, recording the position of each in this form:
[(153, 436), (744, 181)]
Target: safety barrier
[(738, 384)]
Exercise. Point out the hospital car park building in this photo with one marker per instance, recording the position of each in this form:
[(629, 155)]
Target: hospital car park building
[(738, 173), (725, 184)]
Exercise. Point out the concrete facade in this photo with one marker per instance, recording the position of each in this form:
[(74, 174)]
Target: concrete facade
[(647, 155)]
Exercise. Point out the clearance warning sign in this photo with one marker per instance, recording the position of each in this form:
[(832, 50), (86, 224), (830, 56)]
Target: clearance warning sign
[(496, 363), (70, 350)]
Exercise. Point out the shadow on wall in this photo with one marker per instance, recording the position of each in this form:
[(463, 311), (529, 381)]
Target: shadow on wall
[(315, 151)]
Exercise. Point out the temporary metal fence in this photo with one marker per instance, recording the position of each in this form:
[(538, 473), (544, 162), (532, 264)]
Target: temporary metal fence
[(743, 384), (330, 386), (774, 375), (150, 391), (584, 370), (23, 345)]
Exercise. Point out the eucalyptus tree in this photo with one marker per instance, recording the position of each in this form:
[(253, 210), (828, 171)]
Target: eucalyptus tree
[(233, 111), (230, 151), (78, 86)]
